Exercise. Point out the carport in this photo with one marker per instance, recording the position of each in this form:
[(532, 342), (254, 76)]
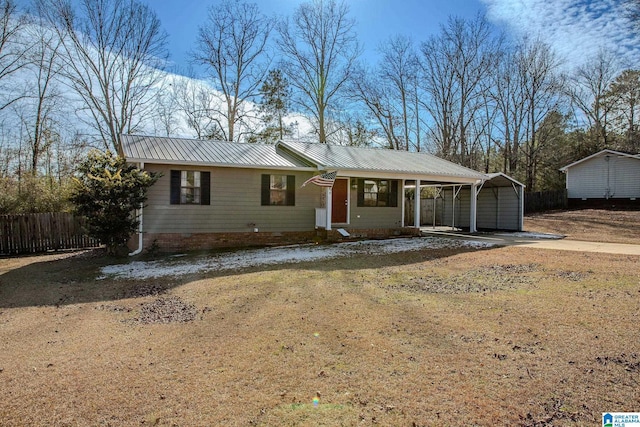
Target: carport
[(499, 204)]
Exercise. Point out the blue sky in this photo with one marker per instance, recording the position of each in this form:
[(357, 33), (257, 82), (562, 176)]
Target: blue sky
[(377, 20), (577, 29)]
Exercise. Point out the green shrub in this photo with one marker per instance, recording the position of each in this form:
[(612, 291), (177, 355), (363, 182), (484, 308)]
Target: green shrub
[(107, 191)]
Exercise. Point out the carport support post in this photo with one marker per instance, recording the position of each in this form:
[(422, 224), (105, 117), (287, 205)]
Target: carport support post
[(328, 203), (404, 197), (474, 208), (416, 203)]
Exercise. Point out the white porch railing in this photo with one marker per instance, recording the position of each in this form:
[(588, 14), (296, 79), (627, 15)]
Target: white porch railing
[(321, 218)]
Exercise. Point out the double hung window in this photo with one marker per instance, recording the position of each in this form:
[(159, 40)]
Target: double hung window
[(278, 190), (189, 187)]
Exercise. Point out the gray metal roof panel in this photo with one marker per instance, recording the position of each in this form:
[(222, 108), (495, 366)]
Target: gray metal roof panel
[(380, 160), (600, 153), (222, 153), (289, 155), (499, 179)]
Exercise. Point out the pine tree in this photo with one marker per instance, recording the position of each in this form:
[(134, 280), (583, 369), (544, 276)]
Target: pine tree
[(276, 100)]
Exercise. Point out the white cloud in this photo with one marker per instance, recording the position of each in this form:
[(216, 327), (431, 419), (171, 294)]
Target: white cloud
[(576, 29)]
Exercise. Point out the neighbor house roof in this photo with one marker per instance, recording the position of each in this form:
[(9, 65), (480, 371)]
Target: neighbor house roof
[(183, 151), (335, 157), (601, 153)]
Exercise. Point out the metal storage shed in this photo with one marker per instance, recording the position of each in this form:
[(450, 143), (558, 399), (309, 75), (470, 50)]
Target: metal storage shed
[(500, 204)]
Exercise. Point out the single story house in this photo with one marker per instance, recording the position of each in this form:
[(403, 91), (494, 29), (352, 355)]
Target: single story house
[(221, 194), (605, 177)]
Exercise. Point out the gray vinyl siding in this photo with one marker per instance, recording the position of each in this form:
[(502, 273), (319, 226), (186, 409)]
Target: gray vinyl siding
[(588, 179), (368, 217), (626, 178), (597, 178), (235, 204), (497, 208), (374, 217), (462, 207)]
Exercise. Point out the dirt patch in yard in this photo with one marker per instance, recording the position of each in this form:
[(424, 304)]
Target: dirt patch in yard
[(450, 336), (482, 279), (595, 225)]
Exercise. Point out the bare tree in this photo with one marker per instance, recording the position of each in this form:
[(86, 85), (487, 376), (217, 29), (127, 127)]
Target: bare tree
[(43, 97), (543, 86), (508, 95), (367, 89), (398, 69), (166, 111), (319, 49), (233, 45), (438, 78), (587, 88), (166, 118), (113, 50), (195, 100), (623, 99), (455, 65), (358, 134), (13, 49)]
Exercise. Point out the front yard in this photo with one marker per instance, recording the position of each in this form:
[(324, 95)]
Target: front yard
[(452, 335)]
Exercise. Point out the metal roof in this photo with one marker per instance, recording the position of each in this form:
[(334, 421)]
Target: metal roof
[(499, 179), (378, 160), (291, 155), (605, 152), (153, 149)]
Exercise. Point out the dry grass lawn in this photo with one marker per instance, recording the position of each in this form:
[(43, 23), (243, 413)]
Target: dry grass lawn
[(502, 336), (589, 224)]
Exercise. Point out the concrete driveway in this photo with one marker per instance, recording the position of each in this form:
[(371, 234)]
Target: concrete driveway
[(539, 241)]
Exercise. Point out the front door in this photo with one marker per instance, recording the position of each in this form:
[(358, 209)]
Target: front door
[(339, 201)]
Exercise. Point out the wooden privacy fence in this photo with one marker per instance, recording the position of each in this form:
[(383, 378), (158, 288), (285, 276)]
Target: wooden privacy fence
[(32, 233), (545, 201)]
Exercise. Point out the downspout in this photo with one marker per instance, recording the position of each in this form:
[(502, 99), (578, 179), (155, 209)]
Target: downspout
[(139, 250), (607, 191)]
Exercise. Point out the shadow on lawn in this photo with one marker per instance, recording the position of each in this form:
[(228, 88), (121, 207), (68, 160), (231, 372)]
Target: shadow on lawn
[(57, 280), (54, 279)]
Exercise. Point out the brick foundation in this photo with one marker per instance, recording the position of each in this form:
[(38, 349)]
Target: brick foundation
[(171, 242)]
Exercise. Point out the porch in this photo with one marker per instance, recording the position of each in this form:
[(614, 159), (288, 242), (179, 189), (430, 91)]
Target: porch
[(496, 203)]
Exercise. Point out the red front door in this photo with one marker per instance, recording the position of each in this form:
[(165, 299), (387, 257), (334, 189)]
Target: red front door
[(339, 201)]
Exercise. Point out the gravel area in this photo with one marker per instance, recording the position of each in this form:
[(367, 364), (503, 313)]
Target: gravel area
[(167, 309), (486, 279)]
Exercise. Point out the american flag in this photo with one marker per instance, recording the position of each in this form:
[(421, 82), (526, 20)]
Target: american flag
[(324, 180)]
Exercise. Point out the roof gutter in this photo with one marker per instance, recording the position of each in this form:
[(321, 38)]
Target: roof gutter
[(217, 165)]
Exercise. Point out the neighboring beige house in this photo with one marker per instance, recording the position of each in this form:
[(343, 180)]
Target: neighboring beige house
[(607, 176), (221, 194)]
